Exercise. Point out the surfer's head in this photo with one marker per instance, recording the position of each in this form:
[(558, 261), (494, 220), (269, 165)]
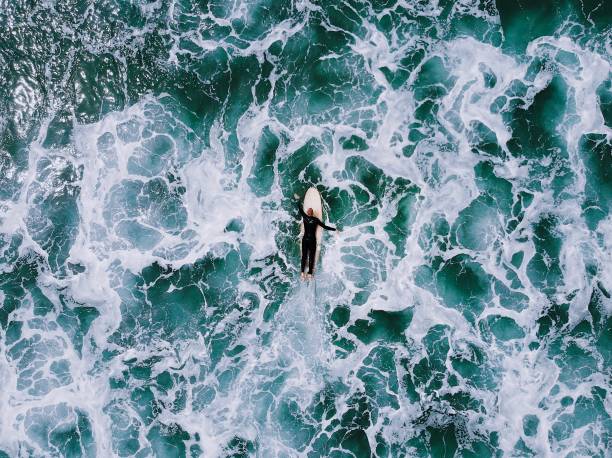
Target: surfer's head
[(309, 212)]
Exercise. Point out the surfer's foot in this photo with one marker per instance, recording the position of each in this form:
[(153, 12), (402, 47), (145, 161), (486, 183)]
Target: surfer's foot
[(309, 277), (303, 276)]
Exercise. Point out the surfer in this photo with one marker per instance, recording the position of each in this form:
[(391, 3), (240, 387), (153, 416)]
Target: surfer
[(309, 240)]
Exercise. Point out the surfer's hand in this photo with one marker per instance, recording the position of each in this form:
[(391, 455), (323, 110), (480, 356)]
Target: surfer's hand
[(295, 196)]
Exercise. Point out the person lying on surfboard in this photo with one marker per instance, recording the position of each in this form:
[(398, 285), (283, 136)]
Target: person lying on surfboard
[(309, 240)]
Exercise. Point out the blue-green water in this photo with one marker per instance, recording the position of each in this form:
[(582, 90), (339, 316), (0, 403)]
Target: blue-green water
[(150, 302)]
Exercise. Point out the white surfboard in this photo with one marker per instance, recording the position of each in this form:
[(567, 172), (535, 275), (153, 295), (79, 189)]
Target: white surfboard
[(312, 199)]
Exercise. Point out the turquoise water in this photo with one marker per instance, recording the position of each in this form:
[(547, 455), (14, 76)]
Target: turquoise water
[(149, 292)]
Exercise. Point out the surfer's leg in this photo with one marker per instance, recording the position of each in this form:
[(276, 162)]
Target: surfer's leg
[(304, 254), (312, 251)]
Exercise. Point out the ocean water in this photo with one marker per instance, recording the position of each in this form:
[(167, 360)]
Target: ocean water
[(150, 302)]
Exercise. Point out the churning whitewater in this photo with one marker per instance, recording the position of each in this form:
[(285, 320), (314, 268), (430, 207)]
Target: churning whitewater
[(150, 293)]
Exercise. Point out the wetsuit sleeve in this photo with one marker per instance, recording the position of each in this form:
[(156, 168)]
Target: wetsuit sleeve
[(301, 210), (324, 226)]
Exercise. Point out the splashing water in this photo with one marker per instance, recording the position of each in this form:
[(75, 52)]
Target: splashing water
[(150, 302)]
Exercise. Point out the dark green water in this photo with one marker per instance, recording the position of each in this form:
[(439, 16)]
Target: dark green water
[(149, 295)]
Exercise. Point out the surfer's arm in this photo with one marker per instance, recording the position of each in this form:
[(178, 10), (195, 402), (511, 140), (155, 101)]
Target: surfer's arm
[(301, 210), (325, 227)]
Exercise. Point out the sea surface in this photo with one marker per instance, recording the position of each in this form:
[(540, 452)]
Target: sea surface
[(150, 302)]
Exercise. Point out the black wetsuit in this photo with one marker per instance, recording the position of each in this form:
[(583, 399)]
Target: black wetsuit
[(309, 241)]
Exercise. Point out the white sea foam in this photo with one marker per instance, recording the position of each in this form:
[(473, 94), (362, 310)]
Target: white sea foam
[(289, 359)]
